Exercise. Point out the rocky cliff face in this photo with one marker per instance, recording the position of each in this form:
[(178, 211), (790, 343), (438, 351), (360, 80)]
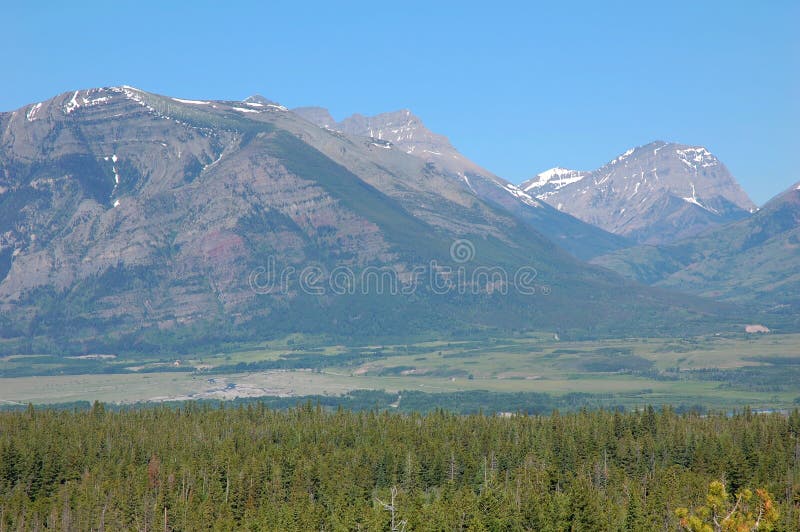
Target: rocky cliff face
[(654, 194)]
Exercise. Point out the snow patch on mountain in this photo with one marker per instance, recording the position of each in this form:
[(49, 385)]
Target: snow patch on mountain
[(243, 110), (466, 180), (72, 104), (31, 114), (192, 102), (624, 156), (86, 100), (133, 94), (114, 160), (697, 157), (693, 200), (521, 195), (557, 177)]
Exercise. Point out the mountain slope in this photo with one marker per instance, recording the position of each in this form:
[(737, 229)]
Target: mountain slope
[(654, 194), (406, 131), (752, 261), (131, 220)]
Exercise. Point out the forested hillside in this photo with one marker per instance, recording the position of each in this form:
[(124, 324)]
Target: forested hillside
[(307, 468)]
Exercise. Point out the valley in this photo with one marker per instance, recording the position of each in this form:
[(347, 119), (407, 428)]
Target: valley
[(722, 372), (134, 224)]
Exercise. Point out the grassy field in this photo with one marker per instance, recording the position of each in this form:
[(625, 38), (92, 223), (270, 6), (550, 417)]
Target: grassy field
[(713, 371)]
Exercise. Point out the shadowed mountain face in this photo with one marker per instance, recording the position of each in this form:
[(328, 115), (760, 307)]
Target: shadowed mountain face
[(653, 194), (130, 220), (753, 261), (405, 131)]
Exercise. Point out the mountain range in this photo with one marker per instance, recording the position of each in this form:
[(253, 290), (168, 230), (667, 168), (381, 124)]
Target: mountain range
[(130, 220), (407, 132)]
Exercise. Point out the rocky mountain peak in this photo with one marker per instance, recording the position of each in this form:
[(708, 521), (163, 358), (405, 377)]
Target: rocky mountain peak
[(316, 115), (257, 98), (653, 193), (402, 128)]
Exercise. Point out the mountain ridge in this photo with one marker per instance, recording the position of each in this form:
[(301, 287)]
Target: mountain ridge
[(407, 131)]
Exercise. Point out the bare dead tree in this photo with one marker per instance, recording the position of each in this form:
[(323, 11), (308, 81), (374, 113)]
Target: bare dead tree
[(397, 526)]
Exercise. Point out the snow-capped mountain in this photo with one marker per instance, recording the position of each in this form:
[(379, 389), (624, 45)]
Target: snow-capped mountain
[(654, 193)]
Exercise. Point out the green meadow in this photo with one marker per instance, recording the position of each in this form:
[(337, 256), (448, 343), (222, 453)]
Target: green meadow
[(718, 372)]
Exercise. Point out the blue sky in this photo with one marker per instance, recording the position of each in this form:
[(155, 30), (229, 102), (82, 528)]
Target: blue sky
[(517, 87)]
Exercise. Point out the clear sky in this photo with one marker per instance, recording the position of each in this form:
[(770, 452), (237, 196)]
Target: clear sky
[(517, 87)]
